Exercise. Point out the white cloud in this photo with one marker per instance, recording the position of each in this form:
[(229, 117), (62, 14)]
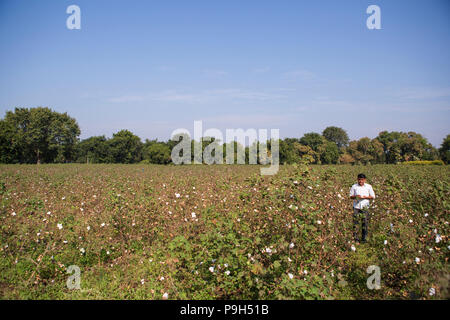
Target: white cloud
[(423, 93), (261, 70), (122, 99), (215, 73), (201, 97), (300, 74)]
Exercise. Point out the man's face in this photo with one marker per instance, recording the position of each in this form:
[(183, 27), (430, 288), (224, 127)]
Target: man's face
[(361, 181)]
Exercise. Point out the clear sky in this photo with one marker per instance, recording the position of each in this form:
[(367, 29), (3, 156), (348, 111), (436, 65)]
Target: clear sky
[(299, 66)]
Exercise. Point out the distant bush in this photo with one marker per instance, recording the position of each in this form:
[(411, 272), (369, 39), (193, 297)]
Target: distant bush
[(425, 162)]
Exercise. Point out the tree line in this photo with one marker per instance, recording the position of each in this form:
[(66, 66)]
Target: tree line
[(41, 135)]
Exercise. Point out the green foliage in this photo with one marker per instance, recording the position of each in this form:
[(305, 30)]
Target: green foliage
[(94, 150), (38, 135), (42, 135), (138, 231), (444, 150), (401, 146), (157, 152), (330, 153), (312, 140), (125, 147), (337, 135), (424, 162)]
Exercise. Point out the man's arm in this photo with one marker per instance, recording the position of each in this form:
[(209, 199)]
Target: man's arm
[(352, 193)]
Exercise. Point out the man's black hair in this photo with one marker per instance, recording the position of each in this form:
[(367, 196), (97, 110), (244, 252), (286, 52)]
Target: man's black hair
[(361, 176)]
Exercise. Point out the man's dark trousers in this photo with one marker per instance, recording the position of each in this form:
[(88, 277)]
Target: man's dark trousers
[(360, 217)]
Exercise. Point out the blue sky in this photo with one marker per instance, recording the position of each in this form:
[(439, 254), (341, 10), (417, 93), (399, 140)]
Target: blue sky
[(299, 66)]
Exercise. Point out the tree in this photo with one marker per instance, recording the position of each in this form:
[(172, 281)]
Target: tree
[(125, 147), (40, 135), (444, 150), (337, 135), (8, 154), (346, 159), (287, 151), (322, 150), (306, 154), (156, 152), (402, 146), (312, 140), (94, 150), (329, 153), (366, 150)]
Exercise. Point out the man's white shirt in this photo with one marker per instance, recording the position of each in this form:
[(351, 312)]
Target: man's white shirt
[(365, 190)]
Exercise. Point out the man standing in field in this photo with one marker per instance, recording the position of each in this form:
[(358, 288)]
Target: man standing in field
[(361, 193)]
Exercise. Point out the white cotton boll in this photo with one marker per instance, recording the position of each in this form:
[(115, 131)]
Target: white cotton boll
[(438, 238), (211, 269), (291, 245), (290, 275), (193, 215), (353, 248), (227, 272), (417, 260), (165, 296), (385, 242), (59, 225)]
